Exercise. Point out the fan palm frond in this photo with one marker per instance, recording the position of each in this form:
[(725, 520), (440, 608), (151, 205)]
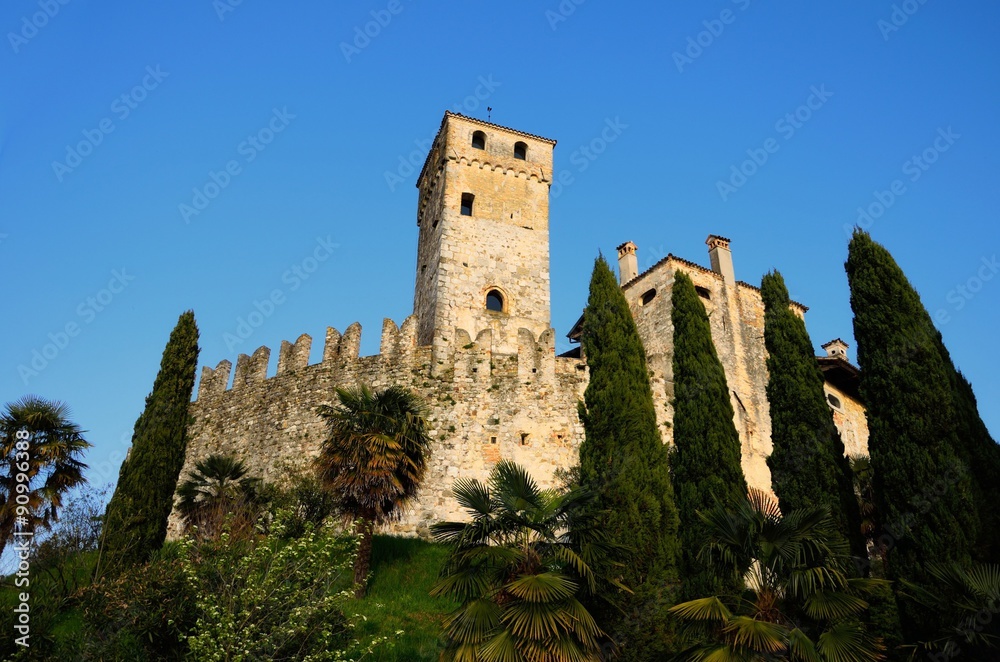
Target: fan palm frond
[(518, 566)]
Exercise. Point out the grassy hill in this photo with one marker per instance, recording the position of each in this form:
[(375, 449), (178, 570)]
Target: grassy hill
[(403, 570)]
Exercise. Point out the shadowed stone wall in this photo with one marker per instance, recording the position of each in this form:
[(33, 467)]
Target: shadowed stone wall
[(483, 407)]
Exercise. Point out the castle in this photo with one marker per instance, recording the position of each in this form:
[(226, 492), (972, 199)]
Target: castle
[(479, 347)]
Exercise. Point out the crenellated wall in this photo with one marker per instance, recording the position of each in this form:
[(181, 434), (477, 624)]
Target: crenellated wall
[(483, 406)]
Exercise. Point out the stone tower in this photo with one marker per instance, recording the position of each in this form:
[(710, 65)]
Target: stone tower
[(483, 246)]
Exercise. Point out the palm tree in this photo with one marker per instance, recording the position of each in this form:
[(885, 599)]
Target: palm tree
[(37, 440), (217, 487), (518, 568), (968, 596), (800, 602), (373, 459)]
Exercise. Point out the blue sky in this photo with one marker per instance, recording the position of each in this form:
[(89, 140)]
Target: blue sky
[(114, 115)]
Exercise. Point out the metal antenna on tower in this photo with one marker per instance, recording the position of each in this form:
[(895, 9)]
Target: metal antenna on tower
[(489, 113)]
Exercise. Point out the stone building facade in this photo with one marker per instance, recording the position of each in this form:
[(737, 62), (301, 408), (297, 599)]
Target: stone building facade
[(479, 347)]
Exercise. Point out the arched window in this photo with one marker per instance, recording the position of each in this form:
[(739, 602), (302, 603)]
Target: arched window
[(479, 140), (648, 297), (494, 301), (520, 151), (467, 200)]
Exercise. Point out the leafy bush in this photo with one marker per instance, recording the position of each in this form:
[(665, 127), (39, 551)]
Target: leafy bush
[(274, 599), (142, 614), (306, 502)]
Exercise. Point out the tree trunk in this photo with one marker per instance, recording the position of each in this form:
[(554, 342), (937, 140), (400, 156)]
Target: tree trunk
[(363, 561)]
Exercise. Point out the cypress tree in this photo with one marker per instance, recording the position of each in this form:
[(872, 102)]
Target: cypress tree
[(808, 465), (982, 455), (136, 517), (706, 458), (922, 488), (624, 461)]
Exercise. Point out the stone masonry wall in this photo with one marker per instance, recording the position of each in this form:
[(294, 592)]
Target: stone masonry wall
[(736, 316), (850, 420), (483, 407)]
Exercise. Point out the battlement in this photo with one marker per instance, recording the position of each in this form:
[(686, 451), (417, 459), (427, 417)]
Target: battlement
[(482, 405), (466, 359)]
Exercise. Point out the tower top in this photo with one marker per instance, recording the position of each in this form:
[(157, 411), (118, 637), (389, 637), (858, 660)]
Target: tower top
[(836, 348), (464, 119), (715, 241)]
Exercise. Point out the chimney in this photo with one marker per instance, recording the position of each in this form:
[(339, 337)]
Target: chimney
[(836, 348), (628, 264), (722, 258)]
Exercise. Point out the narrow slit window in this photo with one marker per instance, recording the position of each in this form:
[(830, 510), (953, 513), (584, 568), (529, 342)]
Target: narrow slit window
[(479, 140), (467, 200), (520, 151), (524, 438), (494, 301)]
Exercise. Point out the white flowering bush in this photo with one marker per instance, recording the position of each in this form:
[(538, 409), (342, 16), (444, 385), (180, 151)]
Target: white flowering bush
[(275, 598)]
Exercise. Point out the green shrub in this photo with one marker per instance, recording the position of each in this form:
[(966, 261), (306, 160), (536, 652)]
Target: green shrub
[(142, 614), (274, 598)]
